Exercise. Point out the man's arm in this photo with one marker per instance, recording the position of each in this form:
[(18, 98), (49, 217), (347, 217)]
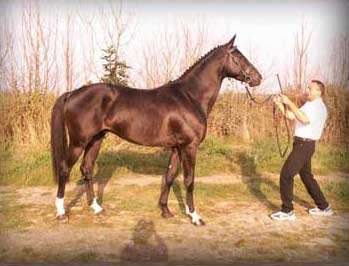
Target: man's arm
[(299, 115)]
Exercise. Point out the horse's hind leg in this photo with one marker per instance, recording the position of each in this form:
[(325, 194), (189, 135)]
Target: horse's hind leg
[(167, 182), (74, 152), (86, 168)]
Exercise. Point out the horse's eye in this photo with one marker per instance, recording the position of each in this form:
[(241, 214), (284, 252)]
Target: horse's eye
[(248, 79)]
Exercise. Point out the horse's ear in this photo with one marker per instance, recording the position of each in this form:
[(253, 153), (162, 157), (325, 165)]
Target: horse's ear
[(230, 44)]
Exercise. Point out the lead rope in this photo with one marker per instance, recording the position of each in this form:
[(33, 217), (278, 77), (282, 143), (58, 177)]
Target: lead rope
[(281, 153), (249, 95)]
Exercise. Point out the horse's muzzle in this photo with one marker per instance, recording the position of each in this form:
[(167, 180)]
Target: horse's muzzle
[(254, 83)]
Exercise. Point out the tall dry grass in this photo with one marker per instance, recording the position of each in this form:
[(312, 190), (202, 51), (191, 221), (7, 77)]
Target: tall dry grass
[(25, 117)]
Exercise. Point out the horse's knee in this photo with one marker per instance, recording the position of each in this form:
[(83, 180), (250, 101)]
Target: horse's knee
[(169, 180), (169, 183)]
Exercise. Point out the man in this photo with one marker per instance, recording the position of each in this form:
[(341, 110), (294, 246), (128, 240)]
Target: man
[(309, 124)]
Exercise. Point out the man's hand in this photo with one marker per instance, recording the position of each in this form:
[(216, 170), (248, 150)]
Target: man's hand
[(281, 99), (291, 111), (276, 99), (284, 99)]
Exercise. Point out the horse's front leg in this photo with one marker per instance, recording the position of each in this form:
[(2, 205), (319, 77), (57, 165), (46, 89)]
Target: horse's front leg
[(189, 160), (167, 182)]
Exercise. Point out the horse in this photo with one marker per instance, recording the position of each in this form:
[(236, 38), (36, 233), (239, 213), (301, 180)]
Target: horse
[(173, 115)]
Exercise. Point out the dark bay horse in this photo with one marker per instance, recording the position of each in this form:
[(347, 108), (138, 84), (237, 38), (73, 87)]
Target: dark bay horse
[(173, 115)]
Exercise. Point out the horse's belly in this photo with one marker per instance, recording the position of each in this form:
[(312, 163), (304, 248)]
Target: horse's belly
[(143, 132)]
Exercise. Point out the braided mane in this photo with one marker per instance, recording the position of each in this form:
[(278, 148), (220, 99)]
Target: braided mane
[(199, 61)]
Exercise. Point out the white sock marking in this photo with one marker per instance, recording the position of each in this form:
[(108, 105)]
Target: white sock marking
[(195, 218), (60, 206), (95, 206)]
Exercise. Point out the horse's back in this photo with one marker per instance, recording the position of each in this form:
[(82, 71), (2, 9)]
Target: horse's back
[(141, 116), (158, 117)]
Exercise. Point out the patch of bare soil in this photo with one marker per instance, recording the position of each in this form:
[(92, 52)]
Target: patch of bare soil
[(236, 231)]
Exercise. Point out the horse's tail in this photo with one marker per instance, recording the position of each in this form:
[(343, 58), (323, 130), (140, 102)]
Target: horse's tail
[(58, 138)]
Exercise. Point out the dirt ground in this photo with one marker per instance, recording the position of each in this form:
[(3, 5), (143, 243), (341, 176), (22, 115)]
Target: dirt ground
[(130, 230)]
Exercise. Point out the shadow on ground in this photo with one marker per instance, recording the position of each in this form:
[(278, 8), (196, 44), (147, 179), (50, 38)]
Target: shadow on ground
[(142, 163), (254, 180), (155, 164), (145, 244)]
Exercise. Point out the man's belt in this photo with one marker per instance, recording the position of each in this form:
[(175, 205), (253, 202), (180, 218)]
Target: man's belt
[(303, 139)]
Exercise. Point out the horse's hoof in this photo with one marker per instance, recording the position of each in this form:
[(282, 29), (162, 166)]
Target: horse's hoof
[(167, 215), (202, 223), (63, 218), (199, 222), (100, 213)]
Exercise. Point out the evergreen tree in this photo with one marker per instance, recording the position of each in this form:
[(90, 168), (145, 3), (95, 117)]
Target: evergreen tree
[(115, 69)]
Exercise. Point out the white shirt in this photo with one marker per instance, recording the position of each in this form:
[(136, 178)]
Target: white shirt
[(317, 114)]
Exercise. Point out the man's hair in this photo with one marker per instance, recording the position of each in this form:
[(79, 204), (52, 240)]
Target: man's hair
[(320, 85)]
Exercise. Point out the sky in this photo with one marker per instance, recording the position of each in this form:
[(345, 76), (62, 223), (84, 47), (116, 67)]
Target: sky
[(269, 27)]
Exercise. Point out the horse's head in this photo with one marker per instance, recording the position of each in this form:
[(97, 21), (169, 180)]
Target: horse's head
[(238, 67)]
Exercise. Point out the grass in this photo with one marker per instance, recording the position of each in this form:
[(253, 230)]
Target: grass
[(25, 168), (30, 166), (230, 156)]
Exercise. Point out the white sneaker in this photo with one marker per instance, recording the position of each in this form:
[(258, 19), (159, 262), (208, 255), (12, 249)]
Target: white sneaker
[(326, 212), (283, 216)]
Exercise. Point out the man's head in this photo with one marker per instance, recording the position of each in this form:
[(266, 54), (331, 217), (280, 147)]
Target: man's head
[(316, 89)]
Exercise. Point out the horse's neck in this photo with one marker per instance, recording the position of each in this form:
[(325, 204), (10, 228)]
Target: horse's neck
[(204, 84)]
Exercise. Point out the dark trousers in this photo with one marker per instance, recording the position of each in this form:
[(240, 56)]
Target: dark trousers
[(299, 162)]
